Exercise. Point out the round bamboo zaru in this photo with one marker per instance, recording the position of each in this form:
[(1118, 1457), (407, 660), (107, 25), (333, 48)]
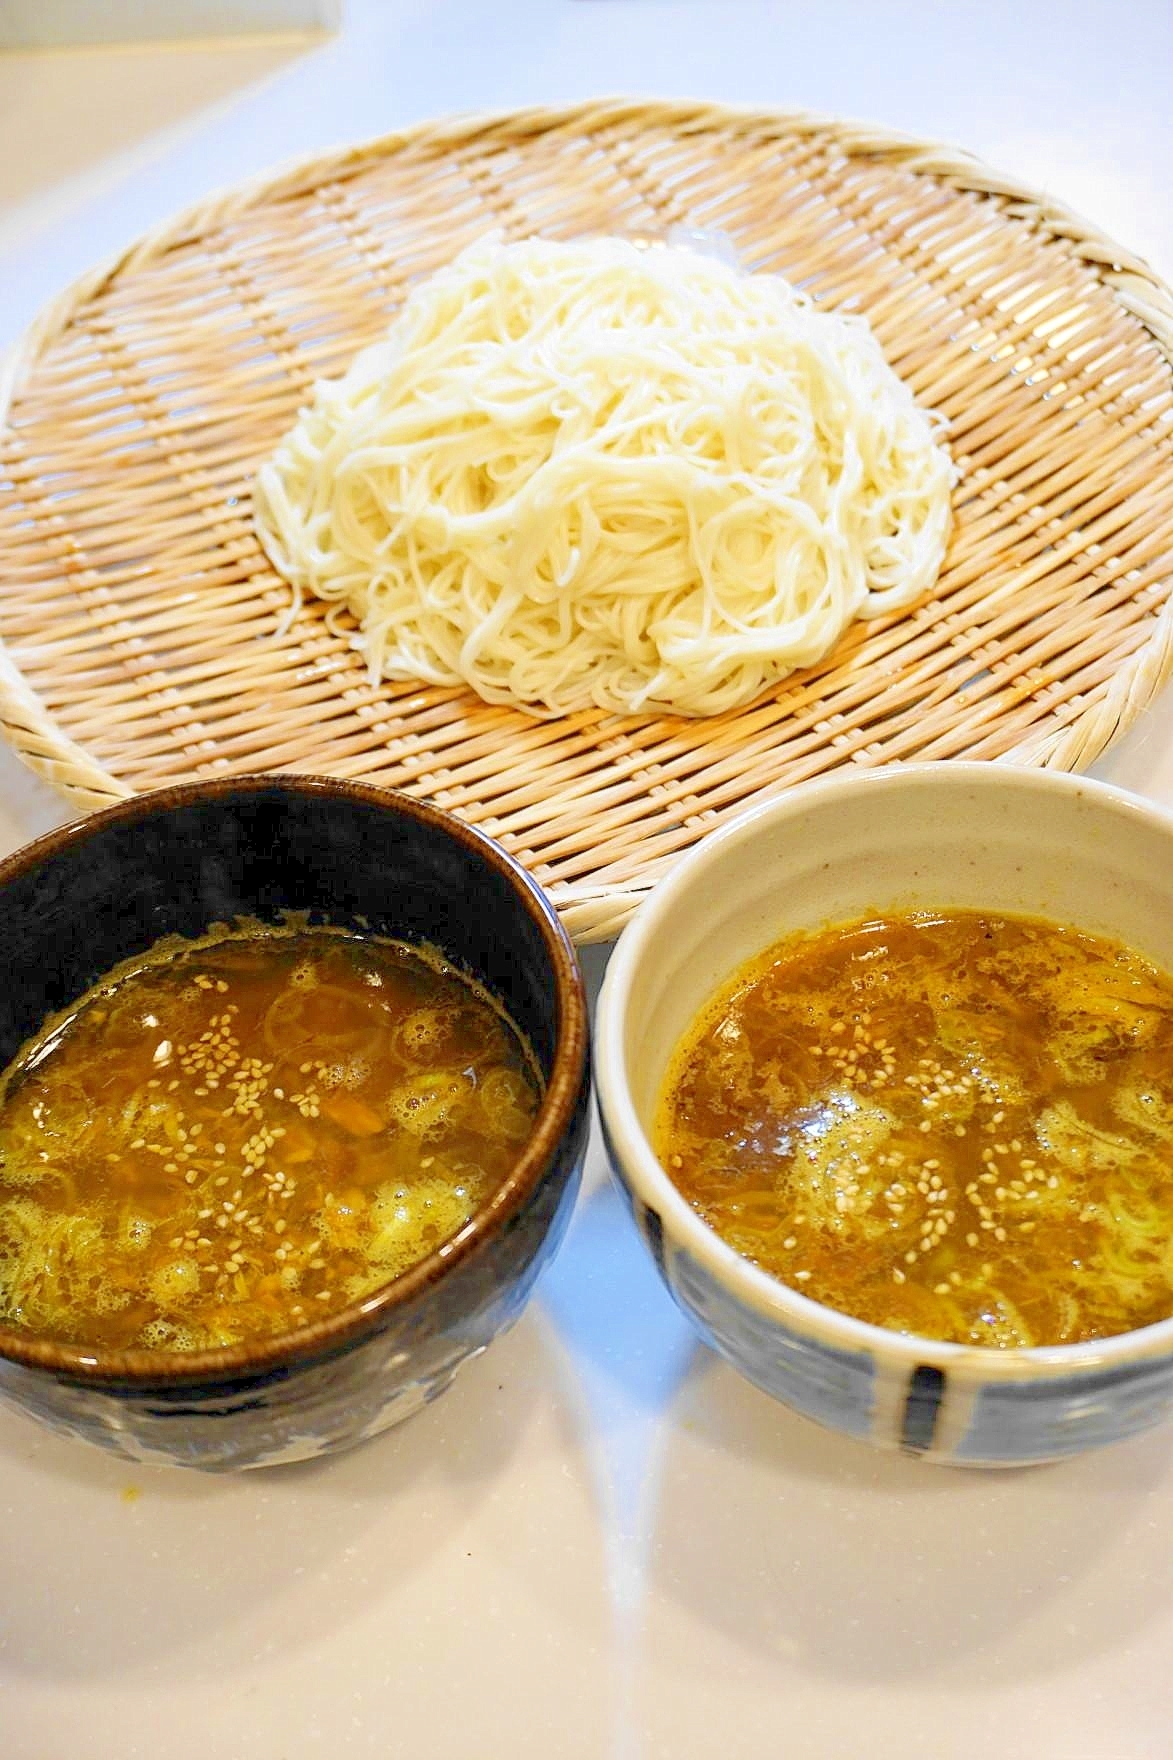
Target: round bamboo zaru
[(145, 637)]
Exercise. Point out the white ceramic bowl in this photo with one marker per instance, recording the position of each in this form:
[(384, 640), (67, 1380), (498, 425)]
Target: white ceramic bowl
[(966, 836)]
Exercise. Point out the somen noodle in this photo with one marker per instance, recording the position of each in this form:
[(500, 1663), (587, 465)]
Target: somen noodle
[(580, 474)]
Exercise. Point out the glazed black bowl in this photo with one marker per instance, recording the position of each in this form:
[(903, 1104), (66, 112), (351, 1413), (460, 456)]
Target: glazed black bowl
[(77, 902)]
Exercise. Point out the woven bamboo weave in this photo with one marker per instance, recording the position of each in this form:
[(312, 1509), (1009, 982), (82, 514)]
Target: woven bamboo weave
[(143, 631)]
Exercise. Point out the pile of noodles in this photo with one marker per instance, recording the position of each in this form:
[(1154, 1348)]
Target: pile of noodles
[(593, 474)]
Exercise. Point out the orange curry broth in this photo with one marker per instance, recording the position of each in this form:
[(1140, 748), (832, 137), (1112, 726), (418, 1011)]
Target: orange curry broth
[(245, 1135), (954, 1125)]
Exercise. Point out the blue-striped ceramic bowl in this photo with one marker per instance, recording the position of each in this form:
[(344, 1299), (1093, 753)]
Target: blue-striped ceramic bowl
[(962, 836)]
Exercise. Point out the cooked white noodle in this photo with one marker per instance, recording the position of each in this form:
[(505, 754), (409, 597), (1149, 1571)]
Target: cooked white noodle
[(587, 473)]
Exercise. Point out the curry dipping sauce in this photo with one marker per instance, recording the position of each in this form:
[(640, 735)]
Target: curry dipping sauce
[(242, 1134), (954, 1125)]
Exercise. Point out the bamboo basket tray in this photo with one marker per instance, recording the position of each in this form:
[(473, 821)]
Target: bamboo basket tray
[(141, 623)]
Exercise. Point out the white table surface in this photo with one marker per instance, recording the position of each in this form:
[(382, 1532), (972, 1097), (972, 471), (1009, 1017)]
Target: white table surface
[(601, 1544)]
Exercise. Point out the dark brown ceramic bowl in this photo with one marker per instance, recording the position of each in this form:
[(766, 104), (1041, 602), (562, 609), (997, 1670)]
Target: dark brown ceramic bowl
[(75, 903)]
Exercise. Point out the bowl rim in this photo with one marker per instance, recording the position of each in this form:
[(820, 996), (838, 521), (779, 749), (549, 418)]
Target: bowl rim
[(750, 1285), (141, 1367)]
